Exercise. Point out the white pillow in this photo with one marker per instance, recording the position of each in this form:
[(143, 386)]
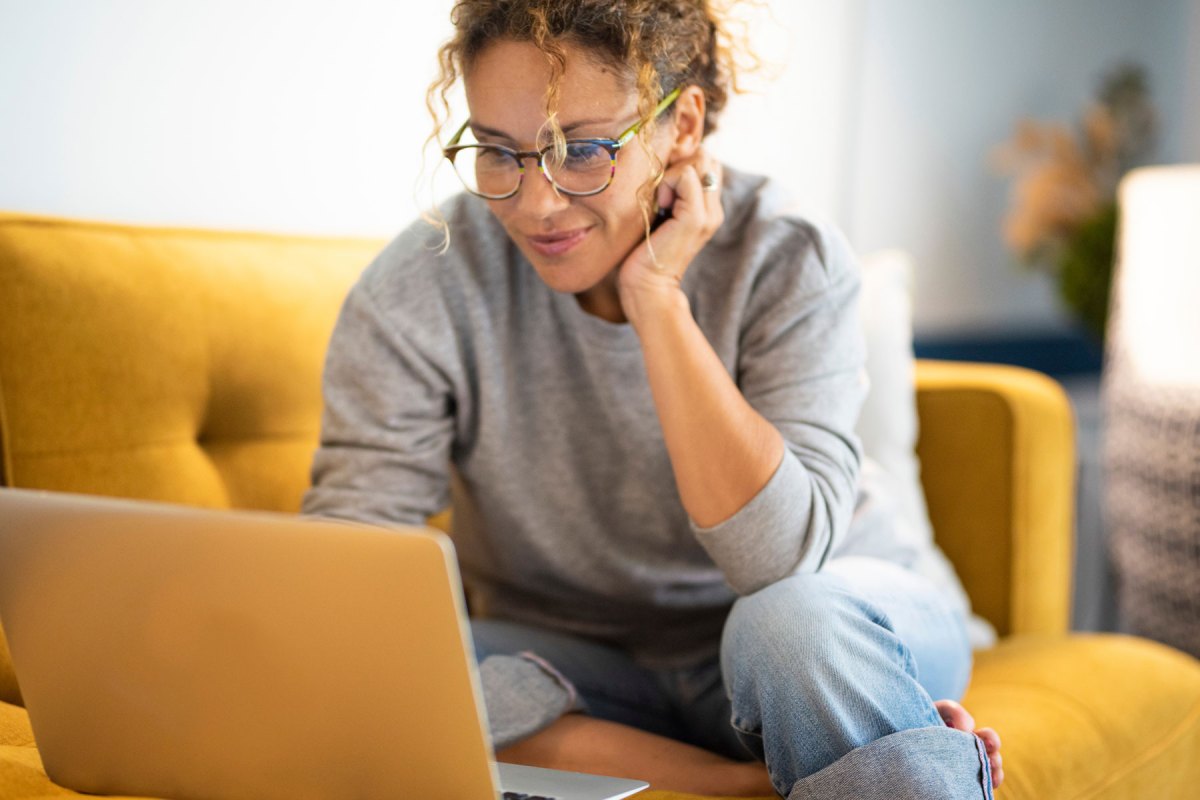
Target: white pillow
[(888, 423)]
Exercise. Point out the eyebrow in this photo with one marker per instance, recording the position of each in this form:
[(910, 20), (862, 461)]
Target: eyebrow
[(477, 128)]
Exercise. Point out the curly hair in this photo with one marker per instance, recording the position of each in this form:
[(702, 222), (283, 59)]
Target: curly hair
[(659, 44)]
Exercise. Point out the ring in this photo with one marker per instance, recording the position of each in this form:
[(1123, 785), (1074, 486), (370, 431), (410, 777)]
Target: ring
[(708, 182)]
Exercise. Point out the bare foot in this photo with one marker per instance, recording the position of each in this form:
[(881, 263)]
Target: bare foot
[(958, 718)]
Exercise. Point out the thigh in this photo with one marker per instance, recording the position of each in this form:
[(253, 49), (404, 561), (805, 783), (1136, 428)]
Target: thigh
[(611, 685), (929, 624)]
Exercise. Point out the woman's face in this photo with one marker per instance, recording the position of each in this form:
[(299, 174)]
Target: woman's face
[(574, 243)]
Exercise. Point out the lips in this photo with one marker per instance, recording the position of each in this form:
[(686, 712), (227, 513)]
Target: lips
[(558, 243)]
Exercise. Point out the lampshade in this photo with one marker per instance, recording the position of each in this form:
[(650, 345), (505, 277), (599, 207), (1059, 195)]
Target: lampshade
[(1151, 398)]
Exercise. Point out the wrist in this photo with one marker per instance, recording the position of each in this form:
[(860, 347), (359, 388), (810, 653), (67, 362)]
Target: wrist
[(645, 306)]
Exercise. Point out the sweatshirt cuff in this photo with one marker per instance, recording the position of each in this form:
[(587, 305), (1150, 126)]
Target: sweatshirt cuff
[(771, 536)]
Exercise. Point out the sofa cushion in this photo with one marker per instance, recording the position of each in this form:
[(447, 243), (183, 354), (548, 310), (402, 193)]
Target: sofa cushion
[(1079, 716), (1091, 715), (21, 772)]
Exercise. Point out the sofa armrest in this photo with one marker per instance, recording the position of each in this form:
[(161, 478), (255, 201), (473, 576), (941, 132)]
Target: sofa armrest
[(997, 455)]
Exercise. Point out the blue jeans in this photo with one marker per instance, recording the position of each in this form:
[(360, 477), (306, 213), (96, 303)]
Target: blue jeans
[(828, 677)]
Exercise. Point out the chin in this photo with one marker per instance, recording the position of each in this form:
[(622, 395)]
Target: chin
[(568, 275)]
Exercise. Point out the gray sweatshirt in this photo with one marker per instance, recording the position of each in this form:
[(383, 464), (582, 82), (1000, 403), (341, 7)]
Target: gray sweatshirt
[(462, 378)]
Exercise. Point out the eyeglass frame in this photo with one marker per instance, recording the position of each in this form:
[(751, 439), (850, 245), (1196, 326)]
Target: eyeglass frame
[(613, 146)]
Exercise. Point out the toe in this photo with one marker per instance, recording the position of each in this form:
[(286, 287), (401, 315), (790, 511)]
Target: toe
[(990, 738), (955, 715)]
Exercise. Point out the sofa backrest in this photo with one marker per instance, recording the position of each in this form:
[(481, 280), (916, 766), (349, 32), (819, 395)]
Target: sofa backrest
[(163, 363)]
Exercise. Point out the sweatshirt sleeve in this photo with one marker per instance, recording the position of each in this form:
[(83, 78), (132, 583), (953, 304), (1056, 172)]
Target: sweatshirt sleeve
[(801, 365), (388, 421)]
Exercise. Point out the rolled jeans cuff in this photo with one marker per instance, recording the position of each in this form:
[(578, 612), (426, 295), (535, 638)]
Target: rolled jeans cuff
[(523, 695), (935, 763)]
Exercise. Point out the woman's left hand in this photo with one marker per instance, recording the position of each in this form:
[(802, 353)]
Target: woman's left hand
[(656, 267)]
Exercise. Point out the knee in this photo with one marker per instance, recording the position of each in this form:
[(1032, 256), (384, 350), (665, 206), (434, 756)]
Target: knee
[(799, 607), (802, 618)]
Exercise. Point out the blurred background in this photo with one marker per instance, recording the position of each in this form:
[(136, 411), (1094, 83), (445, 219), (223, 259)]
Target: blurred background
[(882, 115)]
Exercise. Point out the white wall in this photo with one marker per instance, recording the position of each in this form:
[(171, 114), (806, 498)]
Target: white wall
[(269, 114), (793, 121), (943, 82), (296, 116), (306, 116)]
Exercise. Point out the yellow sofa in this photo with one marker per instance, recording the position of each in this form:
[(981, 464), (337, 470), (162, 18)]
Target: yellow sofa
[(184, 365)]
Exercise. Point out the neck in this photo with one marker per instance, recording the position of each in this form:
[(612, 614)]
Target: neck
[(603, 300)]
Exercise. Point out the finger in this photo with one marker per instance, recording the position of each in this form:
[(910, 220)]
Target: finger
[(712, 196), (704, 201), (689, 198), (665, 193), (676, 179), (668, 187)]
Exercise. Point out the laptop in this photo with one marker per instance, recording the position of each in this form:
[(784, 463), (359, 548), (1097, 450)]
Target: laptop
[(173, 652)]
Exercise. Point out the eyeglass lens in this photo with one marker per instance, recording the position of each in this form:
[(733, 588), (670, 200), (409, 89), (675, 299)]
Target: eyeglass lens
[(585, 168)]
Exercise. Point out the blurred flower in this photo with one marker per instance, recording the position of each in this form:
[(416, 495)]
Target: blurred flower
[(1065, 183)]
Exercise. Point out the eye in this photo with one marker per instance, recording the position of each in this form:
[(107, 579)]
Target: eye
[(491, 158), (585, 156)]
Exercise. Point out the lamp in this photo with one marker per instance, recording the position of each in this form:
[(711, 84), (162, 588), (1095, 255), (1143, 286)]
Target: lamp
[(1151, 401)]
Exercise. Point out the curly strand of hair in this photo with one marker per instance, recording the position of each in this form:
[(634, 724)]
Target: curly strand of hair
[(437, 103), (546, 40), (735, 58), (650, 92)]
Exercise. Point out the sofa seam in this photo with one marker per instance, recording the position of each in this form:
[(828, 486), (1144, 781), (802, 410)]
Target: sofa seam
[(201, 443), (13, 219)]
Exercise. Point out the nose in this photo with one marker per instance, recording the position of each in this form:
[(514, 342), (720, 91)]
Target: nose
[(537, 195)]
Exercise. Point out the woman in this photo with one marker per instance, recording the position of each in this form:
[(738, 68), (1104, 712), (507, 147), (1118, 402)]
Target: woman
[(637, 378)]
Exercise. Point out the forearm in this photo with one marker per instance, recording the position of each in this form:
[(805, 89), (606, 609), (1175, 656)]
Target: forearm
[(722, 451)]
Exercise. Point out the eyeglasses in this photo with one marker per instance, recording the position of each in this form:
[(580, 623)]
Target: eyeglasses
[(583, 168)]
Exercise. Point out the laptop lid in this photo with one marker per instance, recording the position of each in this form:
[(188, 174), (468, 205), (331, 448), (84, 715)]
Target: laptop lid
[(175, 652)]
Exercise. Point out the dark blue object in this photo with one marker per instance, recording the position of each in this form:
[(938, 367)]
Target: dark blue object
[(1056, 353)]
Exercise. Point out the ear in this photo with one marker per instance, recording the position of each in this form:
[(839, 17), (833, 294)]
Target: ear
[(688, 124)]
